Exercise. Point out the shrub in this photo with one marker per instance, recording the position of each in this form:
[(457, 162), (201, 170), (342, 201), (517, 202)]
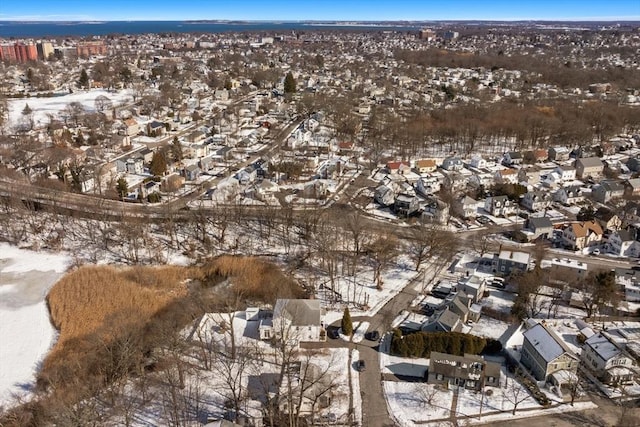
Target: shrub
[(421, 344)]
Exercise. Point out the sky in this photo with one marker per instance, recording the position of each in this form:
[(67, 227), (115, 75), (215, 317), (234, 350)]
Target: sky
[(283, 10)]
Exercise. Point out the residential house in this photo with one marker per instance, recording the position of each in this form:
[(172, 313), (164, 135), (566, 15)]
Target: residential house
[(629, 281), (579, 235), (452, 164), (306, 386), (607, 190), (506, 176), (133, 165), (607, 219), (559, 154), (634, 164), (469, 371), (532, 175), (589, 167), (436, 210), (512, 158), (131, 127), (540, 227), (607, 360), (465, 207), (156, 128), (536, 200), (507, 262), (545, 354), (406, 205), (566, 172), (191, 172), (622, 243), (478, 162), (397, 167), (428, 184), (474, 287), (569, 195), (425, 166), (444, 321), (632, 187), (297, 320), (384, 195), (499, 206), (540, 155), (482, 179)]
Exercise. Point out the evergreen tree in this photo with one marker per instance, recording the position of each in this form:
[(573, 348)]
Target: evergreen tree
[(122, 188), (158, 164), (26, 110), (176, 150), (83, 81), (346, 324), (289, 83)]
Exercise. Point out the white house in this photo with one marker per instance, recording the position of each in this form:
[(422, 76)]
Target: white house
[(607, 360), (297, 320)]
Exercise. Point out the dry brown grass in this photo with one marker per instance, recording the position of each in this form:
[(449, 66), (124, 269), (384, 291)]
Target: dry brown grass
[(82, 301), (253, 278)]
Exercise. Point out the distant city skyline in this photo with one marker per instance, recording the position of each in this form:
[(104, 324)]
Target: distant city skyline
[(334, 10)]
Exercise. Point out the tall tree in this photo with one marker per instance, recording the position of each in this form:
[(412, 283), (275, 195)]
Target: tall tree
[(122, 188), (83, 80), (346, 324), (289, 83), (158, 165)]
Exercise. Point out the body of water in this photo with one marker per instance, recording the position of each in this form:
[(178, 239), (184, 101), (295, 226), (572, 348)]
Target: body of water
[(60, 29)]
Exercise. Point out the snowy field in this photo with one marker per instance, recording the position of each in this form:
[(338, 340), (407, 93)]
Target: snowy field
[(43, 107), (26, 334)]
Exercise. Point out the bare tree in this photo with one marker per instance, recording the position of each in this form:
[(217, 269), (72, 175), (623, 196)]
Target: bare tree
[(383, 250), (514, 392)]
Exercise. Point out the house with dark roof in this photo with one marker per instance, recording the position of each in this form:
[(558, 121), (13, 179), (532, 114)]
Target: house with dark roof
[(499, 206), (512, 158), (622, 243), (607, 190), (589, 167), (539, 226), (545, 354), (608, 360), (559, 153), (569, 195), (536, 201), (444, 321), (469, 371)]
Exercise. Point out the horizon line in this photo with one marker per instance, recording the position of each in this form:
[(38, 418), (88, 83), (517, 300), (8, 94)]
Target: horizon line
[(94, 20)]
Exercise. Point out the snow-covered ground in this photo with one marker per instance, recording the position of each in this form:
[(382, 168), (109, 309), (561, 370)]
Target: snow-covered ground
[(43, 107), (26, 334)]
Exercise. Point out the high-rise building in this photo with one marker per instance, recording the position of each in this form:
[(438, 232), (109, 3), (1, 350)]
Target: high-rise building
[(45, 49), (18, 52), (26, 52), (91, 48)]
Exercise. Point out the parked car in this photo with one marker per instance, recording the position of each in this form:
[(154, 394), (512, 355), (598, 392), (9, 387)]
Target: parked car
[(333, 333), (372, 336), (361, 366)]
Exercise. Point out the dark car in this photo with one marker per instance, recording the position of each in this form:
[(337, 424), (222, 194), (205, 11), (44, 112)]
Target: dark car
[(372, 336), (333, 333), (361, 365)]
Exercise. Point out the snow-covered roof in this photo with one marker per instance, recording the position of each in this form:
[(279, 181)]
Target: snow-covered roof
[(546, 343), (602, 346)]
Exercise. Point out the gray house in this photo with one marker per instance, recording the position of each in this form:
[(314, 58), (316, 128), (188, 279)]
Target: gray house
[(540, 227), (607, 190), (545, 354), (507, 262), (469, 371)]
